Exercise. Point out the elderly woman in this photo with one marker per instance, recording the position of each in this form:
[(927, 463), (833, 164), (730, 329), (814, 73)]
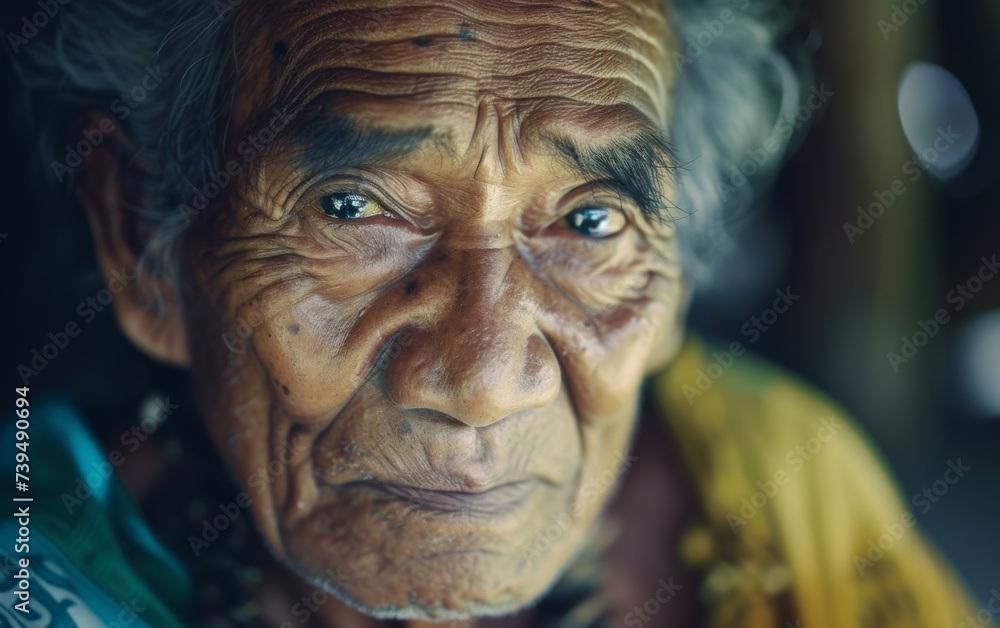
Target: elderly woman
[(420, 260)]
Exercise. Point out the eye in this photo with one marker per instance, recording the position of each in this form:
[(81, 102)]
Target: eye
[(596, 222), (349, 206)]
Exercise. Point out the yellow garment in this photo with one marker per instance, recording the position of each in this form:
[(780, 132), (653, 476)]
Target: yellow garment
[(798, 552)]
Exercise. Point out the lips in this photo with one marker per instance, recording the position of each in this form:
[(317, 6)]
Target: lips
[(495, 501)]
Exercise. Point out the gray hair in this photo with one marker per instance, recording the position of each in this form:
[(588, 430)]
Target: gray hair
[(734, 88), (738, 93)]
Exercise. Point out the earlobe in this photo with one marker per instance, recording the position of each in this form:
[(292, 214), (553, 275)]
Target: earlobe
[(106, 193)]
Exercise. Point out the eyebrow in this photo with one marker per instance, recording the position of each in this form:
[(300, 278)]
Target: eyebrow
[(634, 165), (333, 143)]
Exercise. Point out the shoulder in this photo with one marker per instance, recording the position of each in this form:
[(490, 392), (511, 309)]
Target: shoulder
[(756, 422), (765, 413), (89, 552), (788, 479)]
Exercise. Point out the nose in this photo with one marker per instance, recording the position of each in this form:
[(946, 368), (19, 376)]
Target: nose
[(479, 357)]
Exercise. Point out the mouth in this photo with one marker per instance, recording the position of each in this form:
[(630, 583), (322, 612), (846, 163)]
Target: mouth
[(492, 502)]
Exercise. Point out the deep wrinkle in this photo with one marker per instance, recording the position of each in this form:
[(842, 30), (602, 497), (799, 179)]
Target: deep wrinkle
[(527, 340)]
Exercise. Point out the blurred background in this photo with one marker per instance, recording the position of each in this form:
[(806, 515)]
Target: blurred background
[(879, 219), (876, 229)]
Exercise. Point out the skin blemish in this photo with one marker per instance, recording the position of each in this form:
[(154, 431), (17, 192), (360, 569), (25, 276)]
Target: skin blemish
[(280, 52), (493, 343)]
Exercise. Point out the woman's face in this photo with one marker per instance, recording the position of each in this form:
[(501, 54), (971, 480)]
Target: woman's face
[(420, 315)]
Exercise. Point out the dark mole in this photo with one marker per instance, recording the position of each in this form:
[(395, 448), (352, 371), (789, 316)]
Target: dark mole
[(422, 42), (411, 288), (293, 328), (405, 428), (285, 388), (465, 32), (443, 257), (280, 52)]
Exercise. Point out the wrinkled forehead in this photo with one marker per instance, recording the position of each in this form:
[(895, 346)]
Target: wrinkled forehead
[(451, 58)]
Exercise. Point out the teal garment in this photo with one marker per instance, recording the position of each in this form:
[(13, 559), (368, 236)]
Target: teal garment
[(99, 561), (60, 595), (101, 565)]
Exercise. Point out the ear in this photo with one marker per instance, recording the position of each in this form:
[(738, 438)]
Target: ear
[(107, 189)]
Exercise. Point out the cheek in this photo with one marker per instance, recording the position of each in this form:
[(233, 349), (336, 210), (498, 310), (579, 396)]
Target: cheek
[(302, 348), (293, 299), (598, 274), (605, 355), (603, 466)]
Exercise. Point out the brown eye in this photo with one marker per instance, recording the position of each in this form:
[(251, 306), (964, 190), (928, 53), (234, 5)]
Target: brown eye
[(349, 206), (596, 222)]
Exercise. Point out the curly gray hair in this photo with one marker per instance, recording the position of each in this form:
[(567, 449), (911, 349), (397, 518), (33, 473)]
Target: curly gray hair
[(735, 88)]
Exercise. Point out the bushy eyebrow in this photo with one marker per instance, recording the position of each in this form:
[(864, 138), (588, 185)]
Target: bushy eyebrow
[(335, 143), (635, 165)]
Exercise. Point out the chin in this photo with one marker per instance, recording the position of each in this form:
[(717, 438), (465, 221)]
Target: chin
[(437, 614), (432, 592), (392, 560)]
